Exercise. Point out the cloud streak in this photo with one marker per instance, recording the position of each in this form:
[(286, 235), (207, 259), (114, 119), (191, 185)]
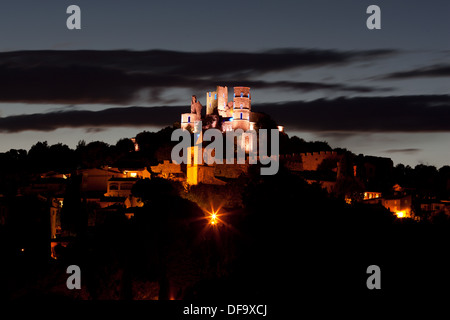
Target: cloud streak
[(427, 113), (407, 150), (342, 116), (439, 70), (117, 77), (92, 120)]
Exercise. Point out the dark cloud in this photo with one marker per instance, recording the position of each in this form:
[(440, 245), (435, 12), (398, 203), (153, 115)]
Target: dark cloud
[(299, 86), (439, 70), (198, 64), (428, 113), (408, 150), (117, 77), (93, 120), (341, 115)]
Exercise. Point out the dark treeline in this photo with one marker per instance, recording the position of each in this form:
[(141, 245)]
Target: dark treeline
[(154, 147)]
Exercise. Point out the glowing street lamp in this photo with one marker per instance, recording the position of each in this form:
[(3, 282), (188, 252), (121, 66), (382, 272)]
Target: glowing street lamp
[(213, 218)]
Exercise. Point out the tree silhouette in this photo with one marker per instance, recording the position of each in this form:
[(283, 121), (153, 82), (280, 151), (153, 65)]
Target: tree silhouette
[(164, 235), (73, 213)]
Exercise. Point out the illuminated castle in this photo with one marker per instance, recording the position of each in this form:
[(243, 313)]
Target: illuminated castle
[(221, 113)]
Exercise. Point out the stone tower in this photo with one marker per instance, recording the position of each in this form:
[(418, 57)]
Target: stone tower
[(217, 101), (211, 102), (222, 101), (241, 108)]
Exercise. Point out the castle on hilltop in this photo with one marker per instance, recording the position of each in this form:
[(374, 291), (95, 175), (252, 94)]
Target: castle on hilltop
[(221, 113)]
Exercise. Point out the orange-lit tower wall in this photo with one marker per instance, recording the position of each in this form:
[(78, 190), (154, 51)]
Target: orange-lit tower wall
[(217, 101), (241, 108), (222, 101), (211, 102), (189, 119)]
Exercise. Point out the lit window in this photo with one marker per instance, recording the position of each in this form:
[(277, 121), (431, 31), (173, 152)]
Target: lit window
[(242, 94), (215, 96), (241, 105), (209, 94)]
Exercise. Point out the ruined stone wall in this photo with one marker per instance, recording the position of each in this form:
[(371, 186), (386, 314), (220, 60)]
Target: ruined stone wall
[(189, 119), (232, 171), (311, 161), (307, 161), (222, 98), (293, 165), (211, 102)]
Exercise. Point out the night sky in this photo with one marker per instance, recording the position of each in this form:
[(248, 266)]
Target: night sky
[(313, 65)]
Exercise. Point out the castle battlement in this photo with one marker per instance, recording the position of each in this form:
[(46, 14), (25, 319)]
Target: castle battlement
[(319, 153), (308, 154), (307, 160)]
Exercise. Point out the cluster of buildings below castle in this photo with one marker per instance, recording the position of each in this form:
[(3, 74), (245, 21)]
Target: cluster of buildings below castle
[(110, 188)]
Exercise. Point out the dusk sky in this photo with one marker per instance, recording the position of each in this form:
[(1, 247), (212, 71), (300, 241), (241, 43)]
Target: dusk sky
[(313, 65)]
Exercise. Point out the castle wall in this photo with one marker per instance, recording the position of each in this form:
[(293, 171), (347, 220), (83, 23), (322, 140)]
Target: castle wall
[(307, 161), (232, 171), (211, 102), (202, 174), (241, 108), (222, 99), (188, 119), (311, 161), (293, 165), (245, 114), (240, 124), (241, 103), (227, 126)]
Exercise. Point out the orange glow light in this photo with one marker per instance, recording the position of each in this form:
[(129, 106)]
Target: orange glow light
[(400, 214), (213, 218)]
